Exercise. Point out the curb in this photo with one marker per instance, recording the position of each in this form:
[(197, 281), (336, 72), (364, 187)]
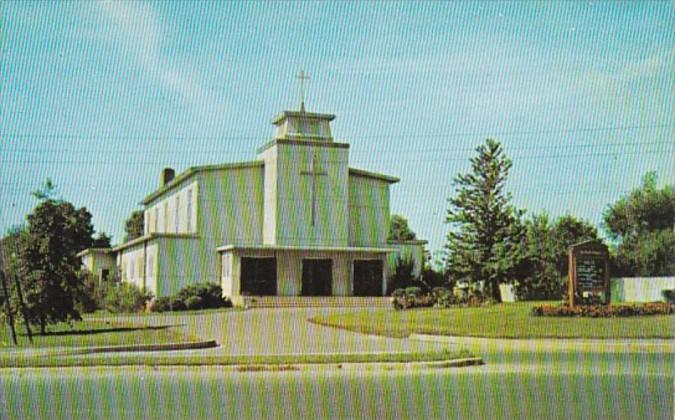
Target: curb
[(438, 364), (193, 345), (285, 367)]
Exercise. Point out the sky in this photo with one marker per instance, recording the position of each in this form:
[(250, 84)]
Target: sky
[(100, 96)]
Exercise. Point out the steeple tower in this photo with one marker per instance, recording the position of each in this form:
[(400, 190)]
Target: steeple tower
[(303, 125)]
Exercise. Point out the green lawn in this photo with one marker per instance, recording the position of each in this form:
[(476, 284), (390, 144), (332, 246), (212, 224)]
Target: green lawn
[(94, 333), (507, 320), (159, 359)]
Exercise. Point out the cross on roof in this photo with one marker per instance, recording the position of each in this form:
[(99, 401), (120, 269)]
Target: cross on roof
[(302, 77)]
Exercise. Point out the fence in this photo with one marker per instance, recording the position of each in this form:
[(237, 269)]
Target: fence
[(641, 289)]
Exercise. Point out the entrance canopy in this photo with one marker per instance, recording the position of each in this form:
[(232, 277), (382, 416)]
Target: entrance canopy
[(241, 247), (262, 270)]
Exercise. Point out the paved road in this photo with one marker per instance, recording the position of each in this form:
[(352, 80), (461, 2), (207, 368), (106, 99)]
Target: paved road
[(489, 392), (281, 331), (520, 380)]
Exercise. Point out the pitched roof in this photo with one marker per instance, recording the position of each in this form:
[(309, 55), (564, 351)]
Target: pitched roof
[(373, 175), (195, 169)]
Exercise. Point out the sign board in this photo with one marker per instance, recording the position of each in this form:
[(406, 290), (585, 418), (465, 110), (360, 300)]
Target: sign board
[(588, 275)]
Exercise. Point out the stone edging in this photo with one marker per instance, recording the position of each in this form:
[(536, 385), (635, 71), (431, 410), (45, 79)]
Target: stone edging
[(191, 345)]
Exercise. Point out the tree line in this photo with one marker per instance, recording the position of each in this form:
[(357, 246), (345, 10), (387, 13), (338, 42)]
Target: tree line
[(492, 242)]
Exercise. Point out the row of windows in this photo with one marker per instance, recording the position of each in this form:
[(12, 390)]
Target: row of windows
[(135, 268), (176, 214)]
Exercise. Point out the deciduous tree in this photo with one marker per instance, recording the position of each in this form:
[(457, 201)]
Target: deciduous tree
[(134, 226), (48, 262), (399, 229), (642, 226)]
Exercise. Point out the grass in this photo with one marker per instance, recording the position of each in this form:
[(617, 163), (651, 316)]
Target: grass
[(93, 333), (507, 320), (159, 359)]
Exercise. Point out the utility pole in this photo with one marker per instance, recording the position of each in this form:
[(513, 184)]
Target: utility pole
[(23, 308), (8, 310)]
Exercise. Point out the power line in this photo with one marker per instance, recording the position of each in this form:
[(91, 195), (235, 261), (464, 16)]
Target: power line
[(210, 151), (378, 136), (434, 159)]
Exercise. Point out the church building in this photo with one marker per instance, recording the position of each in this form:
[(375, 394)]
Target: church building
[(296, 221)]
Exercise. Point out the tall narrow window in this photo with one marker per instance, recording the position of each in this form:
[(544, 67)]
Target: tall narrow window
[(151, 267), (156, 218), (177, 214), (166, 216), (189, 211)]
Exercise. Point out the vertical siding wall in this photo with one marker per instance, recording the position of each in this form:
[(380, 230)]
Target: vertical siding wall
[(641, 289), (368, 211), (174, 213), (138, 265), (293, 209)]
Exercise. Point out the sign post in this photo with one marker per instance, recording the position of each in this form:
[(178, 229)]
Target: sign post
[(588, 273)]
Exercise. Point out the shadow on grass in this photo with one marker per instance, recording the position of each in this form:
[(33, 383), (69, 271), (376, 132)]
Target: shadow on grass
[(101, 331)]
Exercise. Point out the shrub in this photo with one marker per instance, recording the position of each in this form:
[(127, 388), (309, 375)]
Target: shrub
[(176, 304), (443, 298), (161, 304), (439, 297), (210, 296), (125, 297), (604, 311), (194, 302), (411, 297), (403, 275), (669, 295), (91, 296)]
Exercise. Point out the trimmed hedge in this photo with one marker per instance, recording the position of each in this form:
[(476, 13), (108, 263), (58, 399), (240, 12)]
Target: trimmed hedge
[(192, 297), (438, 297), (605, 311)]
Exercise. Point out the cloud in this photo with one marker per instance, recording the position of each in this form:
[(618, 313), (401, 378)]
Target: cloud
[(137, 27), (658, 64), (652, 66)]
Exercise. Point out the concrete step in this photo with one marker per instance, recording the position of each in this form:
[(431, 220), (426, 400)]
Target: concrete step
[(316, 301)]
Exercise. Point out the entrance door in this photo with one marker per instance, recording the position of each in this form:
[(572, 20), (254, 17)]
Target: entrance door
[(317, 277), (259, 276), (368, 278)]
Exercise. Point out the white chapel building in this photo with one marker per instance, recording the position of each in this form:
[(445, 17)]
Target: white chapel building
[(296, 221)]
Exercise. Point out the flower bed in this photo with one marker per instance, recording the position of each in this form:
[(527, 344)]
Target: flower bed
[(605, 311)]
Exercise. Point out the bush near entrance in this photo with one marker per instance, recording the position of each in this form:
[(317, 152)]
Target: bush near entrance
[(192, 297), (439, 297), (605, 311)]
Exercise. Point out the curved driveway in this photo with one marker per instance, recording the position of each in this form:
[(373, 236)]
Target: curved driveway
[(280, 331)]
